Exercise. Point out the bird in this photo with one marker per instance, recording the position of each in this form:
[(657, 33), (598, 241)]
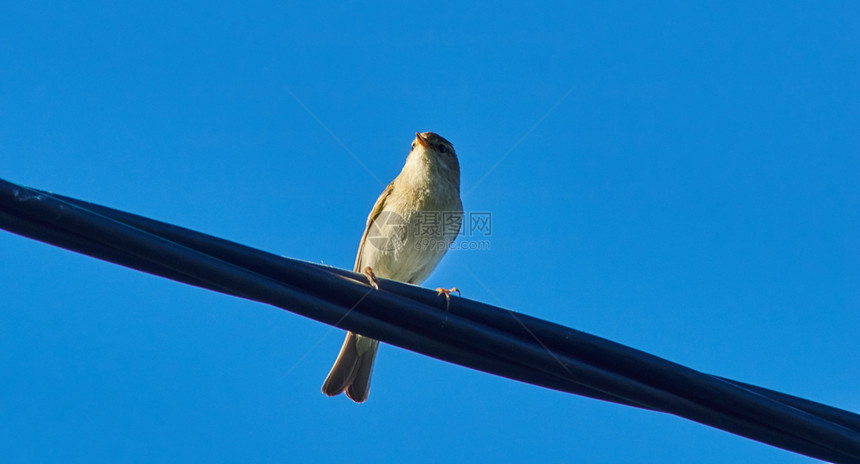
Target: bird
[(410, 228)]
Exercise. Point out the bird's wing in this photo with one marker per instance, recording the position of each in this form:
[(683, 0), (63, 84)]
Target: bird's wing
[(374, 213)]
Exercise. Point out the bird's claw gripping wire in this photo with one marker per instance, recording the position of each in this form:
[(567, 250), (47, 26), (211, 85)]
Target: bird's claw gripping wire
[(371, 278), (447, 292)]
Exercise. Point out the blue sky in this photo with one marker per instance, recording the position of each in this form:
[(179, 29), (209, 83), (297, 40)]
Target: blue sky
[(676, 177)]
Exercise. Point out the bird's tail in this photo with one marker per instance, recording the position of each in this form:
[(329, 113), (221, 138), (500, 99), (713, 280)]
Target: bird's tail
[(352, 369)]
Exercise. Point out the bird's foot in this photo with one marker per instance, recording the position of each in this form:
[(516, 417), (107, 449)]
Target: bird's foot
[(371, 277), (447, 292)]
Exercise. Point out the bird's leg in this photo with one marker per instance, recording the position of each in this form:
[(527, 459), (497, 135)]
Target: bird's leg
[(447, 292), (371, 277)]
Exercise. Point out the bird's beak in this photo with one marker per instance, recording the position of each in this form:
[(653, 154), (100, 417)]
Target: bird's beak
[(421, 140)]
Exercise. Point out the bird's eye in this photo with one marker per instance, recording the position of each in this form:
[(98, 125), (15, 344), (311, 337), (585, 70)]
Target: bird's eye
[(413, 145), (442, 148)]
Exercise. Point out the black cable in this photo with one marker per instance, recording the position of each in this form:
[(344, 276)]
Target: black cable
[(470, 333)]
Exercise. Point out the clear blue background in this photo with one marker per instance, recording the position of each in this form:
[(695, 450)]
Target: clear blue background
[(679, 178)]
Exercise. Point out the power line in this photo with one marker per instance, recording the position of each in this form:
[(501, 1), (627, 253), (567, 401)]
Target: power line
[(469, 333)]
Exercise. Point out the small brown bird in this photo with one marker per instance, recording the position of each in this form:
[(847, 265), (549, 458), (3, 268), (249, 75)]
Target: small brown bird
[(411, 226)]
